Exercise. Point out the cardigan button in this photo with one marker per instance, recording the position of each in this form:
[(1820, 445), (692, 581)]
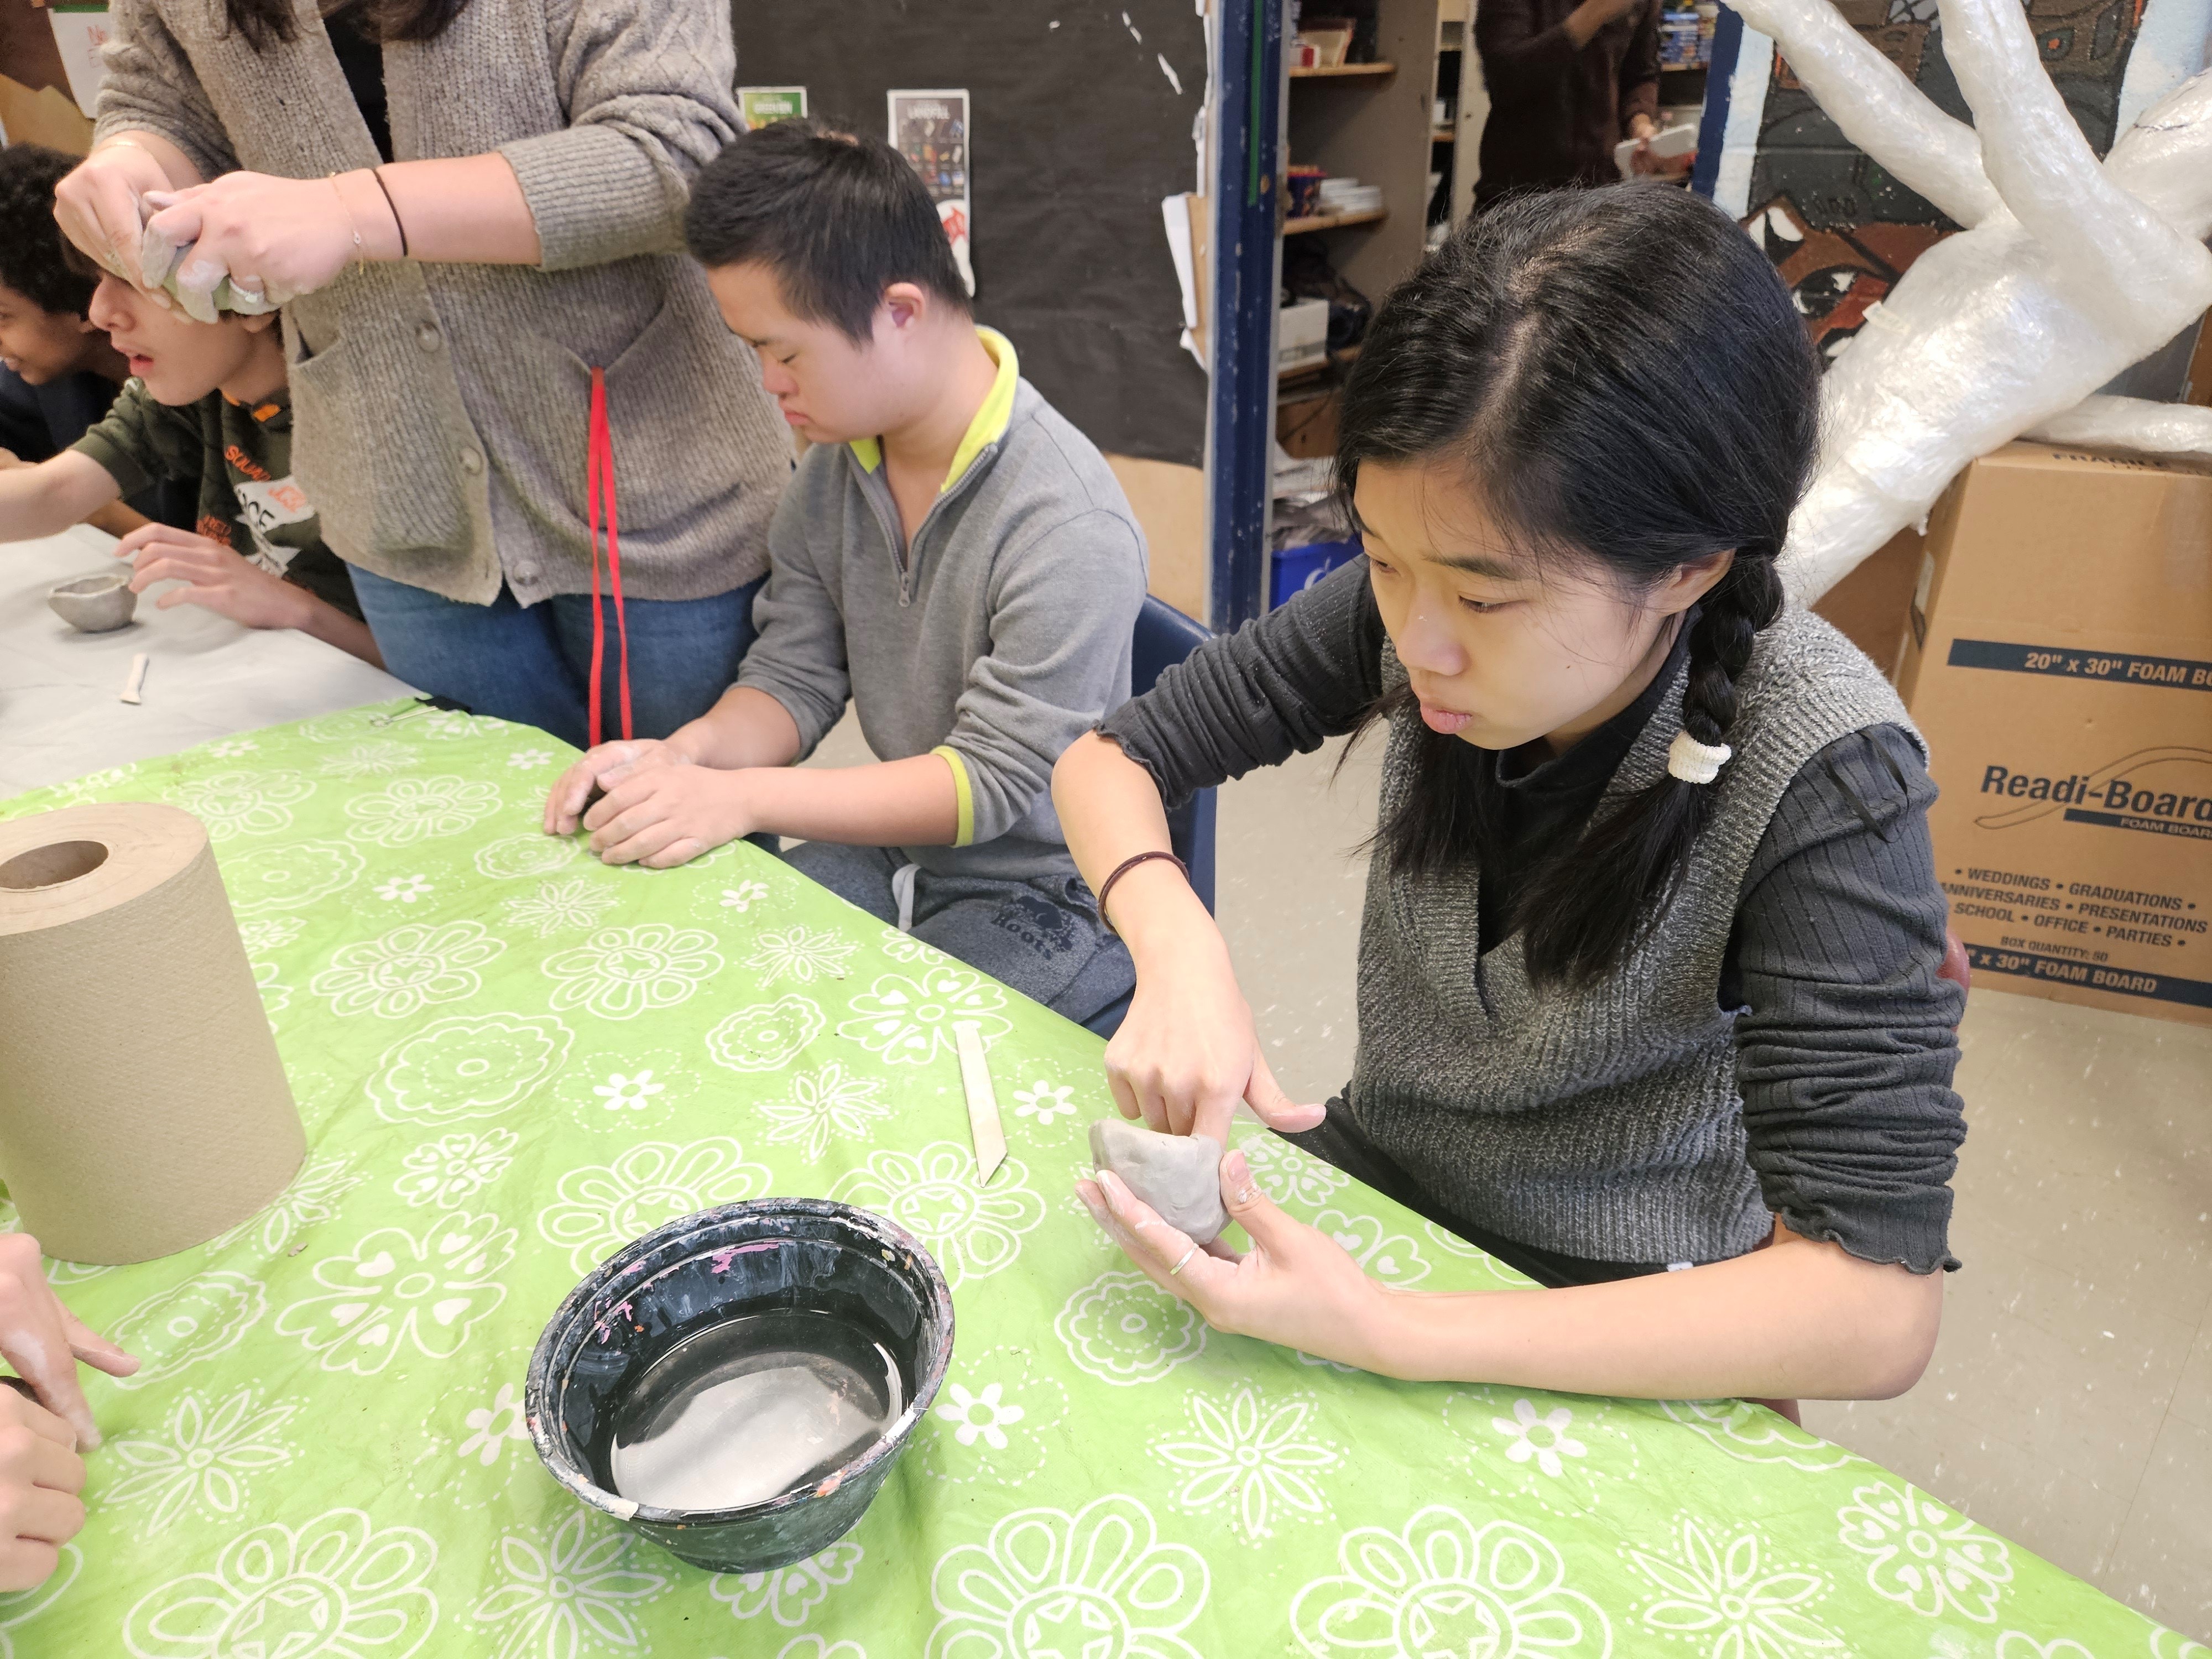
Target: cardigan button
[(427, 336), (472, 462)]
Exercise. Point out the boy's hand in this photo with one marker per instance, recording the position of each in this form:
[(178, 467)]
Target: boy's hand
[(664, 816), (603, 767), (220, 579), (41, 1476), (44, 1341)]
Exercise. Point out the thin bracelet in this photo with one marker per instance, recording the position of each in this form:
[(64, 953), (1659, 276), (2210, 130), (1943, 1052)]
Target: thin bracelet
[(398, 223), (1123, 869), (346, 206)]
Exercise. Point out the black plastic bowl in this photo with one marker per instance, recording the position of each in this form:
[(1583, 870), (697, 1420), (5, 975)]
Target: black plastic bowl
[(799, 1255)]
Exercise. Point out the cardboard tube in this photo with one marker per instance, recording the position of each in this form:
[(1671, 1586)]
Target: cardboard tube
[(142, 1107)]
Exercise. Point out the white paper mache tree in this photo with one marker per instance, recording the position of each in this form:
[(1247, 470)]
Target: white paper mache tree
[(2066, 272)]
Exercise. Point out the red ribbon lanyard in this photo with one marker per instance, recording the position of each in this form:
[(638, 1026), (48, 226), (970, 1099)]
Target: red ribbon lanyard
[(600, 480)]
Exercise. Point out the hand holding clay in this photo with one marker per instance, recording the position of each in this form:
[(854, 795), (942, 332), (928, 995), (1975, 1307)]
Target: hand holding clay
[(1187, 1050), (1179, 1175), (600, 769), (43, 1340), (1295, 1285), (40, 1475)]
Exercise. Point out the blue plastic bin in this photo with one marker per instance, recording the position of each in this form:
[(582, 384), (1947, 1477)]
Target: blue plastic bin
[(1296, 568)]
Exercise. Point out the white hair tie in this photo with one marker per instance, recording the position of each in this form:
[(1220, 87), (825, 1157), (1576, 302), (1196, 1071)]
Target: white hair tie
[(1693, 762)]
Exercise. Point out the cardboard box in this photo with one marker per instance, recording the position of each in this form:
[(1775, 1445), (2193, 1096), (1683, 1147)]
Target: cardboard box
[(2059, 659), (1869, 606)]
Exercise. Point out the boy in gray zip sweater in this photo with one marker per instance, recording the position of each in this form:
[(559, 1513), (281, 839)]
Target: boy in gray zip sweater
[(950, 555)]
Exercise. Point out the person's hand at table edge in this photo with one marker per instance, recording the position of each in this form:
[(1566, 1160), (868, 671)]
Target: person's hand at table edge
[(601, 768), (44, 1341), (661, 815), (220, 579), (1801, 1318), (41, 1476)]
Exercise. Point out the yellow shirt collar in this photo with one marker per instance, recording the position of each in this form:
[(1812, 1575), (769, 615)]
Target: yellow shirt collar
[(988, 426)]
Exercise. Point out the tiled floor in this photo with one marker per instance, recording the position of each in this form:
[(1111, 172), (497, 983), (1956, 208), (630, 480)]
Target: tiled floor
[(2069, 1403)]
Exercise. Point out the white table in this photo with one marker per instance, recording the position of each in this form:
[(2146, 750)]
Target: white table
[(61, 712)]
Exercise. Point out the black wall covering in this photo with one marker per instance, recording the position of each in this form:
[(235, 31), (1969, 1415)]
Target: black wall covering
[(1077, 134)]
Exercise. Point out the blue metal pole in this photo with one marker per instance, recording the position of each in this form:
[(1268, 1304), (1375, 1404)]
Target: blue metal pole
[(1247, 125)]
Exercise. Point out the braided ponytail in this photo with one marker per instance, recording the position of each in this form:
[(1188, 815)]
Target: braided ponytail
[(1631, 390)]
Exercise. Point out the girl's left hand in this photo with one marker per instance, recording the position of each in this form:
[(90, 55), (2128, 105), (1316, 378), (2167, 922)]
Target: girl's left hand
[(273, 239), (1295, 1285)]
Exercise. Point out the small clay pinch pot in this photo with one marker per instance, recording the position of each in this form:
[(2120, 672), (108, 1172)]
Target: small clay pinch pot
[(95, 605)]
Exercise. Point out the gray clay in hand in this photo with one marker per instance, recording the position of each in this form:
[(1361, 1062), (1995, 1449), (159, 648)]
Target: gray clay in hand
[(1179, 1175)]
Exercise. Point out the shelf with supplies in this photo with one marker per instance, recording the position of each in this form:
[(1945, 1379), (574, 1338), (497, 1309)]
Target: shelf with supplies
[(1339, 71), (1333, 220)]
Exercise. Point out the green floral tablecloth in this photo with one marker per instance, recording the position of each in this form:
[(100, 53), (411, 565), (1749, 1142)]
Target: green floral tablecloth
[(510, 1059)]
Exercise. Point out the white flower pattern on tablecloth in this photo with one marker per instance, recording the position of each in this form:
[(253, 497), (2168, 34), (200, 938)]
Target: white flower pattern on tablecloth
[(231, 748), (186, 1324), (310, 1198), (467, 1066), (1452, 1244), (630, 1094), (377, 758), (400, 974), (575, 1588), (449, 1171), (18, 1608), (1287, 1175), (1724, 1592), (521, 759), (602, 1206), (410, 810), (395, 1291), (765, 1037), (1044, 1100), (1254, 1457), (574, 902), (529, 853), (905, 947), (290, 877), (742, 897), (338, 1586), (1753, 1434), (1099, 1582), (2018, 1644), (827, 1102), (201, 1461), (620, 973), (243, 803), (1543, 1436), (1122, 1329), (801, 954), (972, 1232), (983, 1415), (271, 933), (815, 1646), (1926, 1554), (787, 1594), (908, 1019), (493, 1428), (444, 725), (1394, 1258), (404, 890), (1446, 1586)]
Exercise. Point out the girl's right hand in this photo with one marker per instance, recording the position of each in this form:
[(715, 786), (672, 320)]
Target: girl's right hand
[(96, 205), (1187, 1050)]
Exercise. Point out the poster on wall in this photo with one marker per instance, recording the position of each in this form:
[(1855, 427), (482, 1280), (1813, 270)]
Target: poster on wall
[(80, 32), (759, 106), (931, 129)]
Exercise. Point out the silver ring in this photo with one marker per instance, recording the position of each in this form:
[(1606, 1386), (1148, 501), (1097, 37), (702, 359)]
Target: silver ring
[(1185, 1256)]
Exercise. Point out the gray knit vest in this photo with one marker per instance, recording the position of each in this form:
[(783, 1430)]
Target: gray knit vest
[(1601, 1122)]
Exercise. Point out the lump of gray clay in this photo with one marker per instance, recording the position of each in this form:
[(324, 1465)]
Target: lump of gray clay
[(1179, 1175)]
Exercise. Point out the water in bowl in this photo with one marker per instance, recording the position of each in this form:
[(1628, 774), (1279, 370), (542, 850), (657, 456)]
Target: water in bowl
[(751, 1408)]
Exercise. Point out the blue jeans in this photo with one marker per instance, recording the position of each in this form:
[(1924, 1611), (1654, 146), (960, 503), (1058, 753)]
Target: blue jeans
[(535, 665)]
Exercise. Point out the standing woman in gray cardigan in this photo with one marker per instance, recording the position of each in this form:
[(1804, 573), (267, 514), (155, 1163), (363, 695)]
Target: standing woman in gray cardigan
[(1649, 971), (468, 207)]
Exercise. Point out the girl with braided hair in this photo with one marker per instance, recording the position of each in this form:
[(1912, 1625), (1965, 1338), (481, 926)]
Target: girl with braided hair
[(1649, 973)]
